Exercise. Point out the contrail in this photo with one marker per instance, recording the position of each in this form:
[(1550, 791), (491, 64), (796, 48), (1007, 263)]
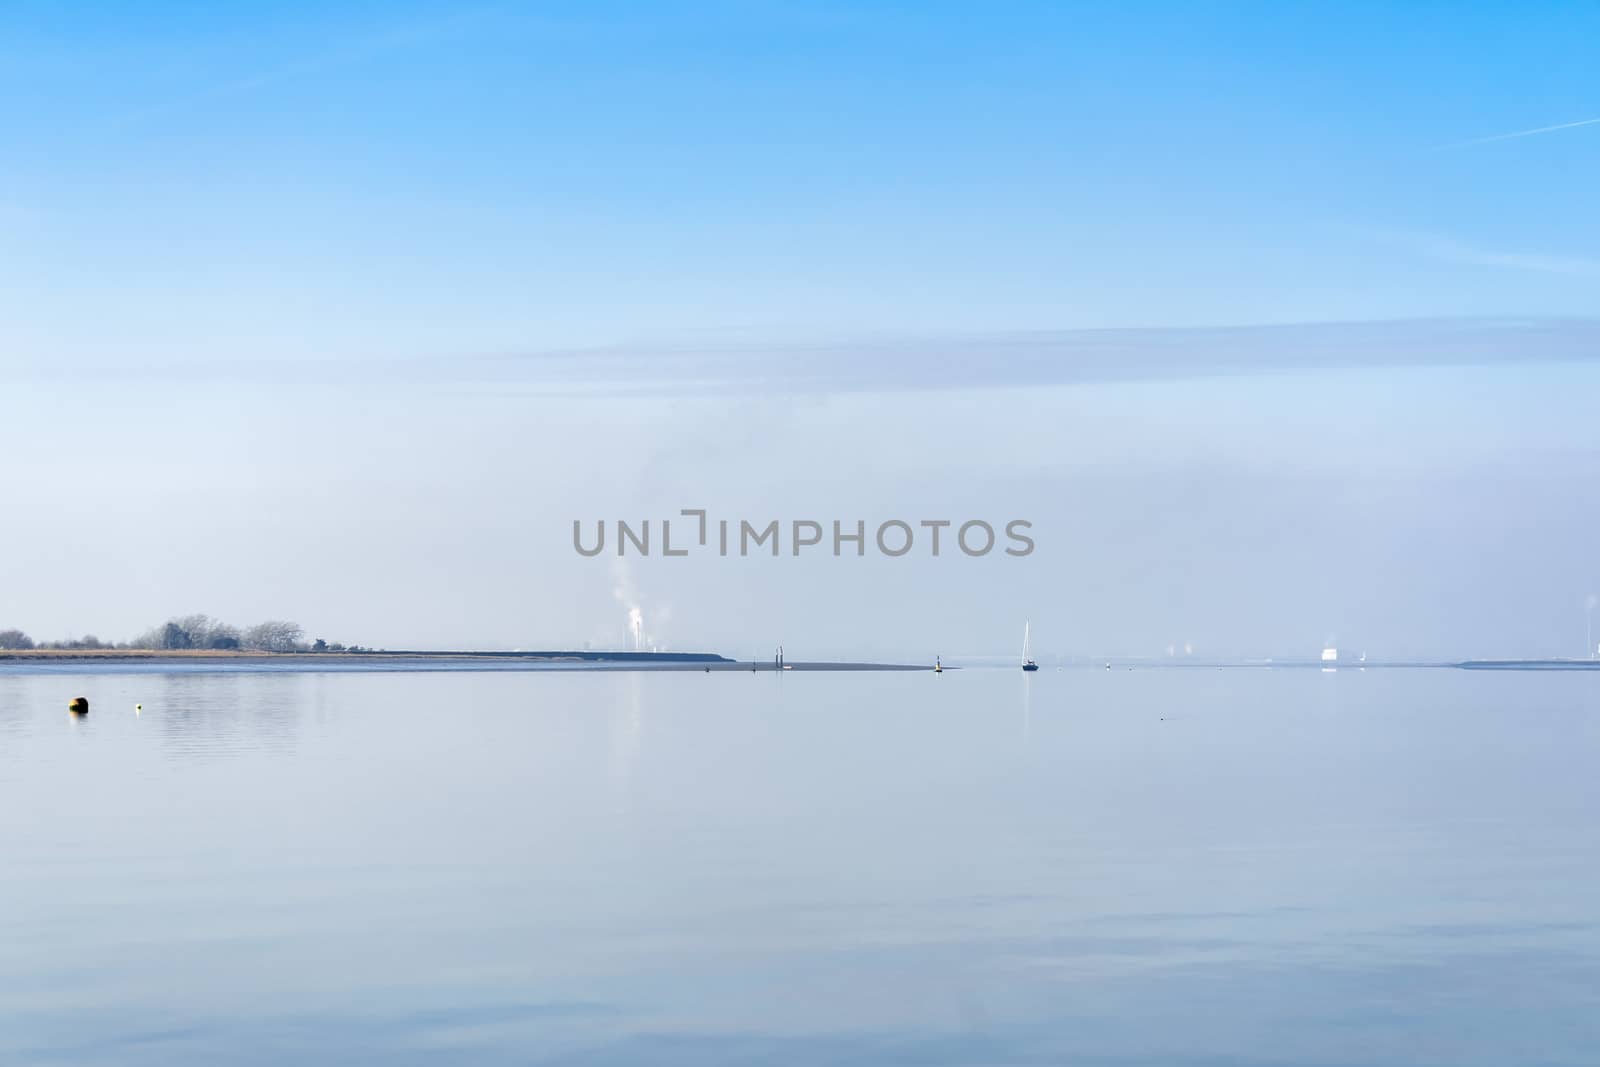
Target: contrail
[(1523, 133)]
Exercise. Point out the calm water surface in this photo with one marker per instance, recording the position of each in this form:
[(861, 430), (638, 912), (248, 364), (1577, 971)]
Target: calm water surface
[(1132, 868)]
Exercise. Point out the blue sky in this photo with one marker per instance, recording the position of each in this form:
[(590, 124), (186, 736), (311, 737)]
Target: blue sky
[(395, 180), (282, 284)]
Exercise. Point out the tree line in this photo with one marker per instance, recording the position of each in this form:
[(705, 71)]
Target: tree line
[(186, 632)]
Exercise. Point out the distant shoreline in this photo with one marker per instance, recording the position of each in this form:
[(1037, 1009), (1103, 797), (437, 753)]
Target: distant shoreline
[(1529, 665), (554, 656), (402, 660)]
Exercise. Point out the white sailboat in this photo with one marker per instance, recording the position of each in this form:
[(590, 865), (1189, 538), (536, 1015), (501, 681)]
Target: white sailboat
[(1027, 661)]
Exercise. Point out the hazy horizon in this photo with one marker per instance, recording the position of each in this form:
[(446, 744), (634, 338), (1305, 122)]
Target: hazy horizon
[(1405, 511), (1278, 326)]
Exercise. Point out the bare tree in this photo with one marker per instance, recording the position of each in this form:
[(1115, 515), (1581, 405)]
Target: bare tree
[(223, 636), (174, 636), (197, 628), (189, 631), (206, 632), (273, 636), (15, 640)]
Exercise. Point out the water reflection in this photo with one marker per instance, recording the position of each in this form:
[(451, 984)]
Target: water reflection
[(1171, 867), (1027, 707), (15, 715), (626, 736), (223, 715)]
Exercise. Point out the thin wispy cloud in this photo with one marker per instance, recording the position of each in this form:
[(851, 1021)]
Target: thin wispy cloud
[(1515, 134), (704, 367), (1452, 251), (1039, 357)]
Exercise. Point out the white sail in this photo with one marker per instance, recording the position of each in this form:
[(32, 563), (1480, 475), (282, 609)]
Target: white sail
[(1025, 642)]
